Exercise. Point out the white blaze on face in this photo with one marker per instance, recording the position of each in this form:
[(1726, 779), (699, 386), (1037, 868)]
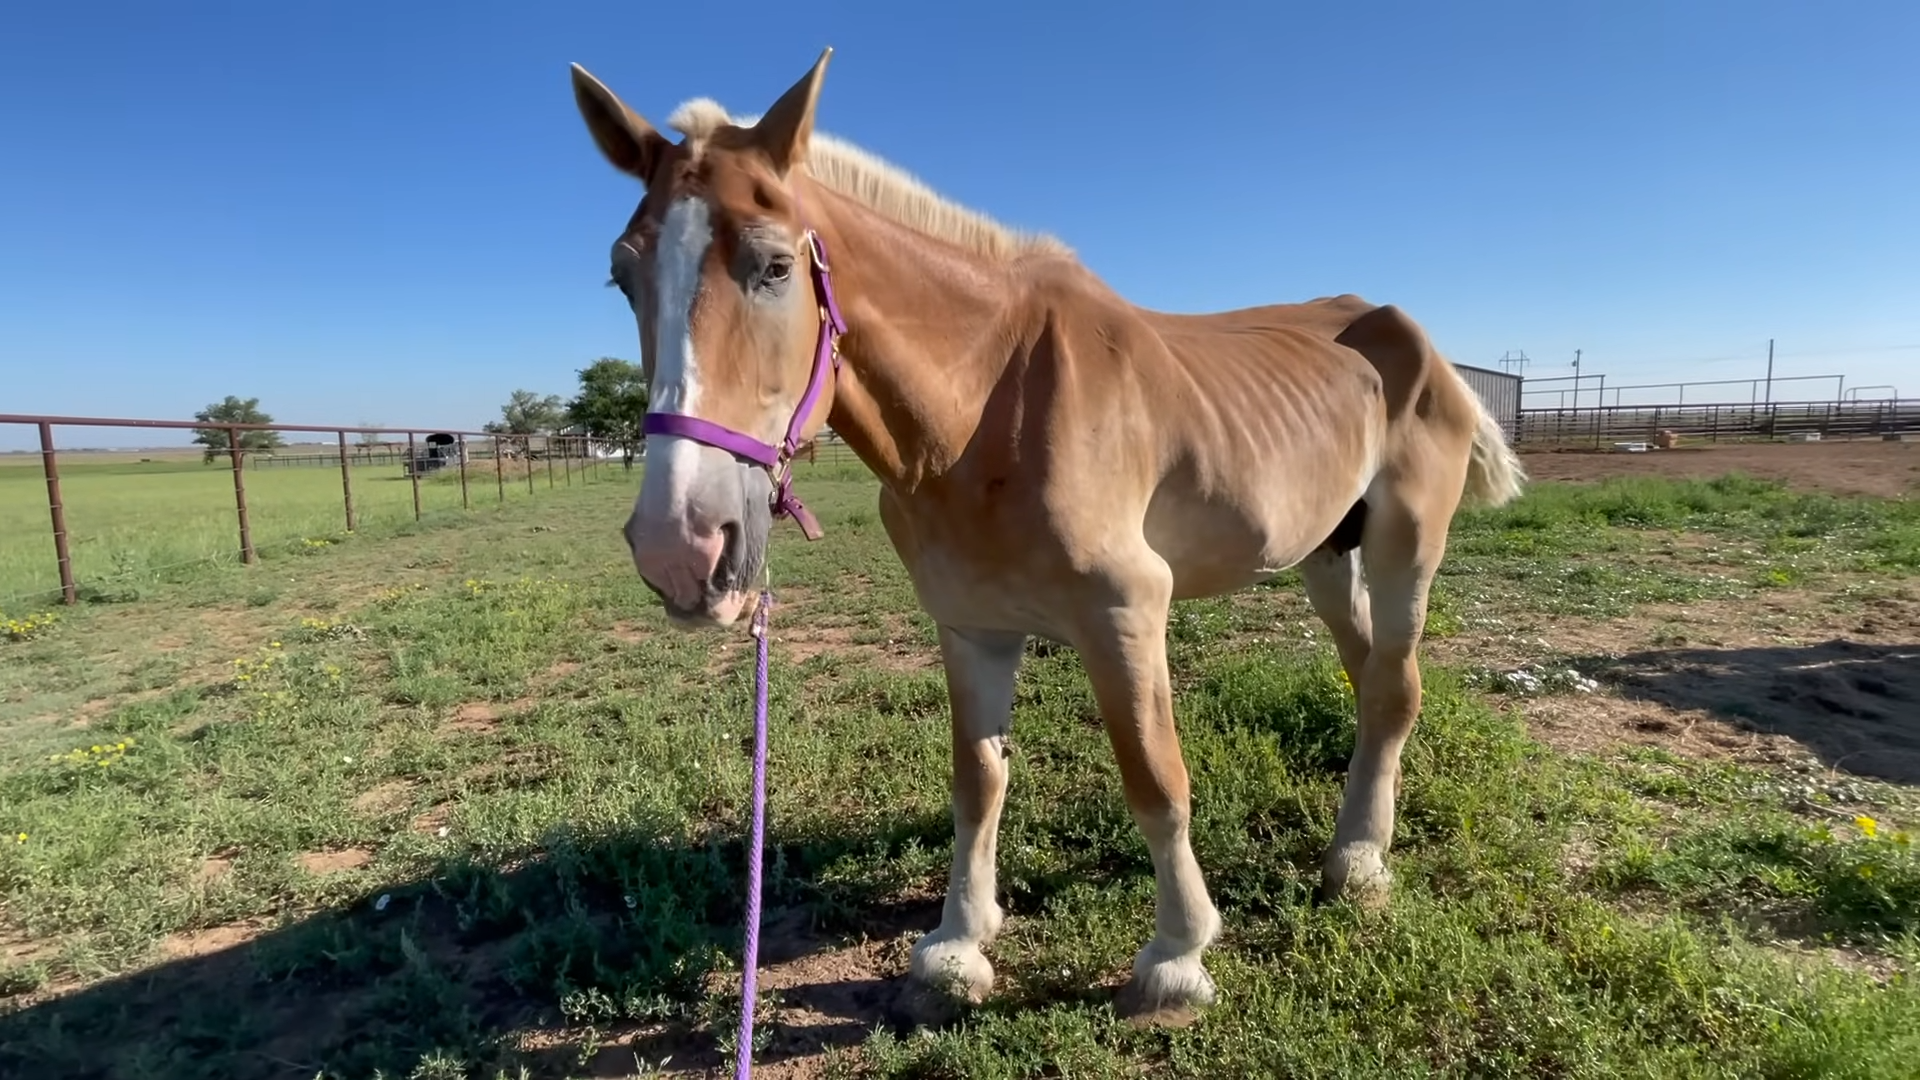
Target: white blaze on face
[(684, 238), (690, 490), (673, 463)]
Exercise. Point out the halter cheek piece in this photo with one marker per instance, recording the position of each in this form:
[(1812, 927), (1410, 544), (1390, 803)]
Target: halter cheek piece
[(778, 461)]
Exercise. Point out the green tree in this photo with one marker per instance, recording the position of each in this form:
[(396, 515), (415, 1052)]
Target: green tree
[(611, 404), (526, 413), (234, 411)]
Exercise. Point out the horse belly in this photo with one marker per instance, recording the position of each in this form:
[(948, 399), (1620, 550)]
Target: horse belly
[(1226, 537)]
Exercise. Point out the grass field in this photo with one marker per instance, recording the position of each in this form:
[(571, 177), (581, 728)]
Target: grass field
[(134, 523), (466, 808)]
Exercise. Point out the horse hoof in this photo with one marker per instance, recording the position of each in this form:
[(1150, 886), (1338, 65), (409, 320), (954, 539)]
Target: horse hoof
[(922, 1006), (943, 981), (1166, 994), (1358, 876)]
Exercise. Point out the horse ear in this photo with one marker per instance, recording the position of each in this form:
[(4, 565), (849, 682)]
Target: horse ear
[(783, 132), (627, 140)]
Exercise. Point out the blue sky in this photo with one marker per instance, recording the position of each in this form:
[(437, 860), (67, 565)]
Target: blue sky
[(390, 212)]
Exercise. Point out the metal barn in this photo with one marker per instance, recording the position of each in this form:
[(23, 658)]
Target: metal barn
[(1499, 392)]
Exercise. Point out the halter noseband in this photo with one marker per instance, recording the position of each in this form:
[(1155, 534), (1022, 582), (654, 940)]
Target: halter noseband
[(778, 461)]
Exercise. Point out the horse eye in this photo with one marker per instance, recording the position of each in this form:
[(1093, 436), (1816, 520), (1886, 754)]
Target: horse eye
[(779, 269)]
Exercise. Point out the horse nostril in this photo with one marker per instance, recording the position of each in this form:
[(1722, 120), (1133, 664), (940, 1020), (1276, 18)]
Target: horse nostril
[(722, 578)]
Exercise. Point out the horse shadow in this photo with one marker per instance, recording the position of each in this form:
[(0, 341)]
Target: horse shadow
[(594, 957), (1855, 706)]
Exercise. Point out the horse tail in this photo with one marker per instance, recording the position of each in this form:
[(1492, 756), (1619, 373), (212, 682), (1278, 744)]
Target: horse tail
[(1495, 476)]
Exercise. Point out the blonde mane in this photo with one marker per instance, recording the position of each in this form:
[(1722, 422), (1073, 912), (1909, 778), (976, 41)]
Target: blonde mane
[(882, 187)]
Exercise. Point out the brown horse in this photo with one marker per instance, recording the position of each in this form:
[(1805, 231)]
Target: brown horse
[(1053, 461)]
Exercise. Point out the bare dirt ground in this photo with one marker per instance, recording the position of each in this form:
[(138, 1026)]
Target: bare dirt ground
[(1809, 679), (1790, 681), (1887, 469)]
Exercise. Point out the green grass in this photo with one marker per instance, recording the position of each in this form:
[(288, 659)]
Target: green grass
[(1578, 549), (497, 734), (133, 524)]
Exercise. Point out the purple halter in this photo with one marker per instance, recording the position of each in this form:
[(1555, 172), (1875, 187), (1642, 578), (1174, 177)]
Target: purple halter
[(778, 461)]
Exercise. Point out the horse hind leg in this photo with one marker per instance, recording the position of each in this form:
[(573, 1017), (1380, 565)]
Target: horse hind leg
[(1401, 548), (1338, 592)]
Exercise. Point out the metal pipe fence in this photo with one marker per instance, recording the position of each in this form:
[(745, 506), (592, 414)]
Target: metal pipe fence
[(1570, 391), (580, 455), (1600, 425)]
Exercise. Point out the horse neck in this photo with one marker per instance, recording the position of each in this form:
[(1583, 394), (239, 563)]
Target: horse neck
[(928, 327)]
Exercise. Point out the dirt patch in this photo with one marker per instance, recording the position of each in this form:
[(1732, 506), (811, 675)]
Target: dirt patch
[(433, 820), (1854, 705), (1604, 722), (217, 865), (384, 797), (630, 632), (819, 997), (1766, 681), (1849, 468), (475, 718), (893, 652), (17, 948), (213, 939), (334, 862)]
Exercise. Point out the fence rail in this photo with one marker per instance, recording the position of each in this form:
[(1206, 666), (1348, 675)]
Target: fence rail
[(443, 450), (1599, 425)]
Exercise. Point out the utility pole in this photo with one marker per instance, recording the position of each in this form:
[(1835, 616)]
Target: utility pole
[(1769, 371), (1576, 378)]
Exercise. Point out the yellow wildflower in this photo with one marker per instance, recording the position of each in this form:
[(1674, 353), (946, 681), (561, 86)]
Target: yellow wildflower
[(20, 839), (1868, 826)]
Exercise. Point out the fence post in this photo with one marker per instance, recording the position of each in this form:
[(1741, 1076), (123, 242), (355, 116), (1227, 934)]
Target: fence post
[(413, 473), (462, 448), (51, 466), (548, 443), (566, 458), (240, 494), (346, 480), (499, 471), (529, 445)]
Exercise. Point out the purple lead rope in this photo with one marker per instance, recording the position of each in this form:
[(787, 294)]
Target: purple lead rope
[(743, 1055), (778, 461)]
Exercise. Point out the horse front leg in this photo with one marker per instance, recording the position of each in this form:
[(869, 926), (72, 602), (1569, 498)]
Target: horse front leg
[(947, 963), (1126, 659)]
